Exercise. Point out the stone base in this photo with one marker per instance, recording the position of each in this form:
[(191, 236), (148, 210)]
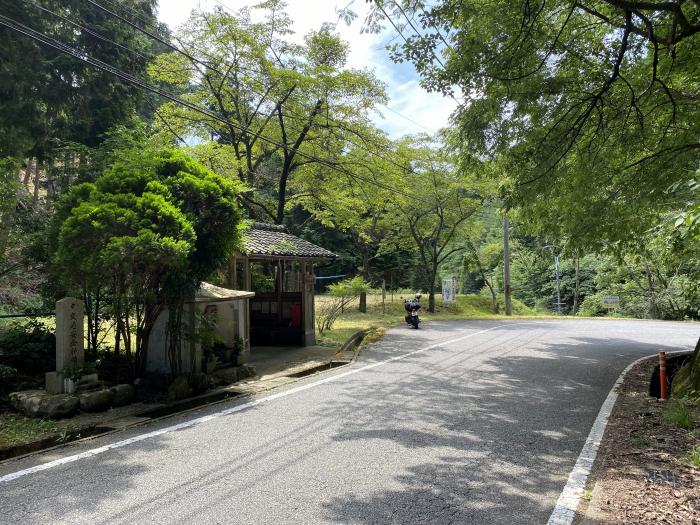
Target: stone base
[(97, 401), (37, 403), (122, 394)]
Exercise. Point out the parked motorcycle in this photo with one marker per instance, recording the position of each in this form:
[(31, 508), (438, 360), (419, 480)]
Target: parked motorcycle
[(412, 306)]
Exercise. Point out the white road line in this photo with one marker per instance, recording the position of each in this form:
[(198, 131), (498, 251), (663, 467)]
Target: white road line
[(565, 509), (232, 410)]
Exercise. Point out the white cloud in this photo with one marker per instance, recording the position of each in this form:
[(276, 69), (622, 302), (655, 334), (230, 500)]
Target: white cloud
[(427, 110)]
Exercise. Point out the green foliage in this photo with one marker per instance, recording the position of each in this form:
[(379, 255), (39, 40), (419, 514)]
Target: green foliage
[(349, 288), (8, 375), (591, 108), (9, 189), (15, 430), (155, 224), (29, 348), (301, 96), (677, 413), (50, 98), (694, 456), (340, 296)]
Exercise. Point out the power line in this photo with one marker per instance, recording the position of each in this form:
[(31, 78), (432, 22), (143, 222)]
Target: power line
[(298, 116), (66, 49), (90, 31), (410, 23), (398, 30), (152, 35), (208, 66), (410, 120)]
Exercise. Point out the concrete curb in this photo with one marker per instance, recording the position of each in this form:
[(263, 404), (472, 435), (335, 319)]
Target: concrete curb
[(570, 498), (355, 340)]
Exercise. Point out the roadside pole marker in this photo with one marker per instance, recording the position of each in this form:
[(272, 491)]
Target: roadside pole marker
[(565, 509), (238, 408)]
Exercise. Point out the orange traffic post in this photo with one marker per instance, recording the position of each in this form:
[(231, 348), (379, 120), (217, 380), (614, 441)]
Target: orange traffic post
[(662, 374)]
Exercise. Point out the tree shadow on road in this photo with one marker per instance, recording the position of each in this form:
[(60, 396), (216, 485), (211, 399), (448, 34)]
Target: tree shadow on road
[(506, 431)]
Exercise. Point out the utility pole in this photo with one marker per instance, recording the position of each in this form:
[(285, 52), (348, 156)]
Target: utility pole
[(506, 264), (556, 271)]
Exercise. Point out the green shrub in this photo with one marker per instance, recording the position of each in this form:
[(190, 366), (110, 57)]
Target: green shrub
[(678, 414), (340, 296), (29, 348), (8, 375), (694, 456), (592, 306)]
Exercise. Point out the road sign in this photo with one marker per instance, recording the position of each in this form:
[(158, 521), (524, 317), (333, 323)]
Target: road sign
[(611, 301), (449, 290)]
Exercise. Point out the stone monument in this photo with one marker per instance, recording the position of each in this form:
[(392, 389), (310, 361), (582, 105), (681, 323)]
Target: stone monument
[(70, 352)]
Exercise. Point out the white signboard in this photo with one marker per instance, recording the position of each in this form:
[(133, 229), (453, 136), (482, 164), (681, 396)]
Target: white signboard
[(449, 290), (611, 301)]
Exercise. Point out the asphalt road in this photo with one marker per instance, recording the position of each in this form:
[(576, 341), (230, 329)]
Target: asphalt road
[(484, 429)]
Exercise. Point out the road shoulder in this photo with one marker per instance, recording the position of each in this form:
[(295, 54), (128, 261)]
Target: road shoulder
[(643, 473)]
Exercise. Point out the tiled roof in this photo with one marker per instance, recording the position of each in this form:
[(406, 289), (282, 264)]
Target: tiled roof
[(274, 240)]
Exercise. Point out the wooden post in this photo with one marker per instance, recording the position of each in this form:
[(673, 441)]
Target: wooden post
[(247, 284), (383, 296), (506, 265)]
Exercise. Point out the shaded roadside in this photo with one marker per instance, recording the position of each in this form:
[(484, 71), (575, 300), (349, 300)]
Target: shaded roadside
[(644, 472)]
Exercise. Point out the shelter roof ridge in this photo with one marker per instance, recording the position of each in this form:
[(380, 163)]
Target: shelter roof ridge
[(274, 240)]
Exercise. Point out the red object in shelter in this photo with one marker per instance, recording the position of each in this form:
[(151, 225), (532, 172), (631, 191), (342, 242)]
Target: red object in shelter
[(296, 315)]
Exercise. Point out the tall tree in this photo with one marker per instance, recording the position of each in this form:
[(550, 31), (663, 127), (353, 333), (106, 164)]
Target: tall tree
[(298, 96), (48, 97), (595, 104), (356, 200), (432, 216)]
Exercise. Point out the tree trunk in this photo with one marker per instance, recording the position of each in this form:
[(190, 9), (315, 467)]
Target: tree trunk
[(431, 297), (653, 309), (365, 274), (494, 296), (36, 182), (576, 290), (31, 167)]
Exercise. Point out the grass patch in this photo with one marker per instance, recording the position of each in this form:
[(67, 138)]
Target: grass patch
[(694, 456), (641, 442), (677, 413), (587, 495), (16, 430), (392, 314)]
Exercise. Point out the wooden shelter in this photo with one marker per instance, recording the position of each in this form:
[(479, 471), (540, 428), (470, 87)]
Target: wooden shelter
[(279, 268)]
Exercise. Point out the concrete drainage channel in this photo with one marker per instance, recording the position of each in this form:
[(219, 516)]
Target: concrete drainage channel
[(154, 414), (317, 369)]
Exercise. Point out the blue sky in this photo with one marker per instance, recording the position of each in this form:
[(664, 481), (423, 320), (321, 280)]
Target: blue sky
[(366, 51)]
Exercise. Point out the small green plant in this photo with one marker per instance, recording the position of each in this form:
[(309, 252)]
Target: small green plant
[(587, 495), (694, 456), (67, 435), (238, 346), (205, 334), (641, 441), (340, 296), (678, 414)]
